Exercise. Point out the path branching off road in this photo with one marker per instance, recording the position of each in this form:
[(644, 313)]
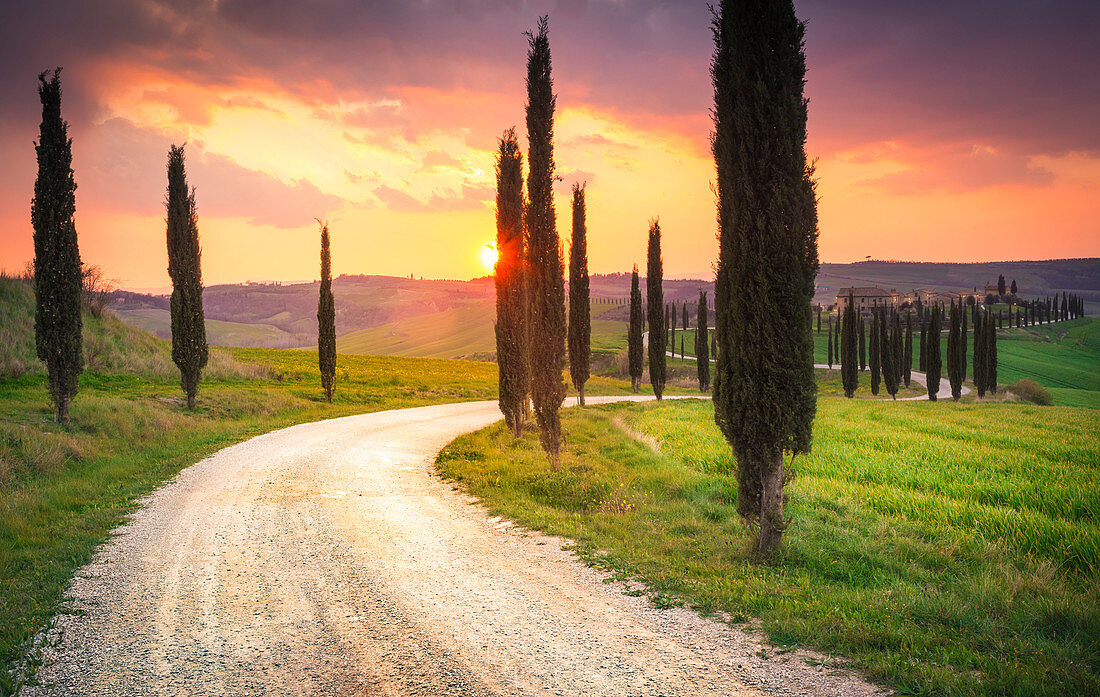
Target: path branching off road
[(328, 558)]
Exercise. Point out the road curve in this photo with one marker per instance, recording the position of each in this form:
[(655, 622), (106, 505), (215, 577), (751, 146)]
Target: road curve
[(327, 558)]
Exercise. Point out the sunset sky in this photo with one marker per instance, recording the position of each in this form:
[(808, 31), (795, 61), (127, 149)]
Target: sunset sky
[(951, 131)]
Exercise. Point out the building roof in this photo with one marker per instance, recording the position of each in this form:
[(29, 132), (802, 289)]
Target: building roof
[(867, 292)]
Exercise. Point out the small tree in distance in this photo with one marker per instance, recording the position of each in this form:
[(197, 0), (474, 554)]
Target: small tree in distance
[(849, 372), (189, 350), (326, 318), (57, 270)]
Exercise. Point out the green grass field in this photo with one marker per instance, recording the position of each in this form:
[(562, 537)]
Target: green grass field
[(1064, 357), (944, 548)]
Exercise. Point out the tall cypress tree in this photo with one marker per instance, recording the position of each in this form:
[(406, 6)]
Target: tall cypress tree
[(829, 350), (580, 322), (819, 320), (862, 343), (849, 373), (57, 270), (907, 357), (189, 350), (875, 353), (702, 348), (954, 376), (511, 285), (922, 362), (655, 301), (991, 360), (980, 354), (933, 361), (765, 393), (686, 323), (1001, 285), (963, 343), (635, 354), (326, 319), (545, 267), (891, 363)]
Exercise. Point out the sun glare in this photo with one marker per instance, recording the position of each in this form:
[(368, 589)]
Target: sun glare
[(488, 256)]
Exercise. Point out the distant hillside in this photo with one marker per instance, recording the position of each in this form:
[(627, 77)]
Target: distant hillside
[(110, 346), (388, 315)]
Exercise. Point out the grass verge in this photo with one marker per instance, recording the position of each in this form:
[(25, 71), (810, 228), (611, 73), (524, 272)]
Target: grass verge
[(944, 549)]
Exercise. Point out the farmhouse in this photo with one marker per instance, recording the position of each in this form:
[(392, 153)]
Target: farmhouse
[(868, 298)]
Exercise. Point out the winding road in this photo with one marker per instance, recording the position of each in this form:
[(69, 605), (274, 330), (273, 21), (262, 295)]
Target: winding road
[(328, 558)]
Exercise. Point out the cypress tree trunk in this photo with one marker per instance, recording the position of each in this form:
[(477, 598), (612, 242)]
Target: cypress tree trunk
[(875, 354), (702, 347), (634, 335), (57, 270), (326, 319), (849, 373), (189, 351), (764, 388), (655, 301), (511, 285), (580, 321), (546, 289), (932, 353)]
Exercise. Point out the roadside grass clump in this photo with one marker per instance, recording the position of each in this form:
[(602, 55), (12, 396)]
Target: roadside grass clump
[(1031, 391), (945, 551)]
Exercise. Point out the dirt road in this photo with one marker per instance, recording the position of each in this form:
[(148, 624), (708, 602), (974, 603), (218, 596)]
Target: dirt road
[(328, 559)]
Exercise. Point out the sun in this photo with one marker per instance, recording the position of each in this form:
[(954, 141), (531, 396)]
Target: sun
[(488, 256)]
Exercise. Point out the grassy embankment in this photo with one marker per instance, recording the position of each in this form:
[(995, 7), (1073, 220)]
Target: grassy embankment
[(62, 491), (944, 548)]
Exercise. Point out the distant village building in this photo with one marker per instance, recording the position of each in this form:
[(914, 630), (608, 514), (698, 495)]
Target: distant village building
[(926, 296), (868, 298)]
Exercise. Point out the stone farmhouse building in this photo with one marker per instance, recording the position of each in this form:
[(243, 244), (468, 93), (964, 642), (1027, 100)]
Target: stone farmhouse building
[(868, 298)]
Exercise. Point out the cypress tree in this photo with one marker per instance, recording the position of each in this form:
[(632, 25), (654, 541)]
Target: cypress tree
[(580, 321), (765, 392), (849, 375), (862, 343), (886, 347), (326, 319), (57, 269), (980, 355), (655, 300), (1014, 286), (686, 323), (1001, 285), (991, 360), (702, 351), (875, 353), (933, 361), (907, 357), (819, 320), (922, 364), (714, 345), (962, 344), (897, 352), (634, 335), (830, 349), (511, 285), (189, 350), (545, 267), (954, 375), (1065, 307), (672, 329)]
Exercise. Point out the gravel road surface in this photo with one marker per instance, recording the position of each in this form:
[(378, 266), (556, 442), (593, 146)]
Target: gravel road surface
[(328, 559)]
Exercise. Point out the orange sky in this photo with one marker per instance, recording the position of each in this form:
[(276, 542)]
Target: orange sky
[(402, 166)]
